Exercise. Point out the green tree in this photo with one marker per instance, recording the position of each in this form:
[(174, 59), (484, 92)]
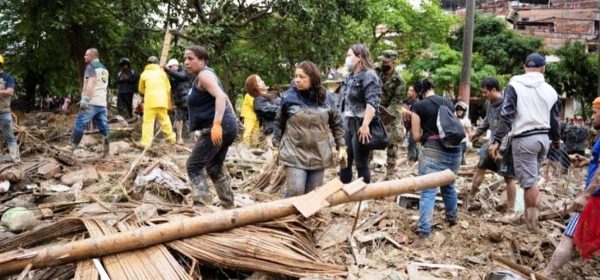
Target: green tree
[(442, 65), (575, 74), (498, 45), (45, 40)]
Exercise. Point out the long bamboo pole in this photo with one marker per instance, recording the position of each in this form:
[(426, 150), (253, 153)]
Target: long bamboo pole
[(15, 261)]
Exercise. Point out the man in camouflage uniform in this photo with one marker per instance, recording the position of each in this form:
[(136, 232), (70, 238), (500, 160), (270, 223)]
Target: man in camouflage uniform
[(391, 98)]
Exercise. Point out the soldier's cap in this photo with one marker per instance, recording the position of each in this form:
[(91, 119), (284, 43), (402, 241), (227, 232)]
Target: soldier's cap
[(535, 60), (153, 59), (388, 55), (578, 117)]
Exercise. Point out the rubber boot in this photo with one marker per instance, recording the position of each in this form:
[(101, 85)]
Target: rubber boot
[(224, 191), (105, 147), (200, 193), (14, 154)]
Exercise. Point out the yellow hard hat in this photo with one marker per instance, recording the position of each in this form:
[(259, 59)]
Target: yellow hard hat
[(1, 59)]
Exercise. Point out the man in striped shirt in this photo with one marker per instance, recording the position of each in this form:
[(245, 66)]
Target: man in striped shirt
[(591, 192)]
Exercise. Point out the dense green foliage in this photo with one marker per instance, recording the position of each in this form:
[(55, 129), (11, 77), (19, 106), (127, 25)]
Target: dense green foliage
[(44, 41), (575, 74)]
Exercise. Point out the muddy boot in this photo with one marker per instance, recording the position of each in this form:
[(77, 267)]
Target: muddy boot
[(14, 154), (420, 241), (222, 185), (105, 147), (200, 193), (223, 188), (390, 171)]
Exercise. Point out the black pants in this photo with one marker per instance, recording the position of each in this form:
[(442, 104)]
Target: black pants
[(206, 155), (356, 152), (125, 104)]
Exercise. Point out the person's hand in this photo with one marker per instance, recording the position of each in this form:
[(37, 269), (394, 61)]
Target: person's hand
[(579, 202), (216, 133), (84, 103), (578, 160), (343, 156), (493, 152), (364, 134)]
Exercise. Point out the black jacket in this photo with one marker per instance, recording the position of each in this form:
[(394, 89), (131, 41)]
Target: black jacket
[(266, 110), (181, 83)]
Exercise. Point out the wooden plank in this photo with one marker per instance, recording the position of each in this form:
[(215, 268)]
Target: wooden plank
[(514, 266), (330, 188), (309, 204), (354, 187), (166, 47), (312, 202)]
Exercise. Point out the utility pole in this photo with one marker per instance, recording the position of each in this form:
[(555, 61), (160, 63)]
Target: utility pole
[(465, 74)]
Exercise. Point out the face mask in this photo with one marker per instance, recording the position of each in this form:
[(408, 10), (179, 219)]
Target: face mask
[(385, 68), (349, 64)]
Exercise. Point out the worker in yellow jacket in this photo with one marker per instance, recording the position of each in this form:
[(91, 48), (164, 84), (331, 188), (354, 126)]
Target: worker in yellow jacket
[(154, 85), (251, 124)]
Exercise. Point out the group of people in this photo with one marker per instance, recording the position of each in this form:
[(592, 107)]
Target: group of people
[(312, 129)]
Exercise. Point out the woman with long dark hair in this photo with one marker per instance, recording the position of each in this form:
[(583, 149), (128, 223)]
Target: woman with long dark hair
[(361, 91), (211, 113), (306, 120), (265, 104)]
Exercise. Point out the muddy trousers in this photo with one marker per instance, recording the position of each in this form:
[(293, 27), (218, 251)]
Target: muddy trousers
[(207, 156), (356, 152), (301, 181)]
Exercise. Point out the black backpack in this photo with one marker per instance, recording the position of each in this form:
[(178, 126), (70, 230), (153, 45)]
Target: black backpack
[(449, 127)]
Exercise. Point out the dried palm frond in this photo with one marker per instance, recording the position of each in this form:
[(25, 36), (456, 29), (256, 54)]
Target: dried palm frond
[(155, 262), (281, 247)]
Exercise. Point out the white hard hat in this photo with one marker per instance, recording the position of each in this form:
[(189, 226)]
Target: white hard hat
[(172, 62)]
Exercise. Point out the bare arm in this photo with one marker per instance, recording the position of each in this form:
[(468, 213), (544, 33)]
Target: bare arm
[(415, 123)]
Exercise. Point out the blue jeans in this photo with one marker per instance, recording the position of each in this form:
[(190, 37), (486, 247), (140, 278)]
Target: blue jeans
[(301, 181), (84, 116), (7, 129), (434, 157)]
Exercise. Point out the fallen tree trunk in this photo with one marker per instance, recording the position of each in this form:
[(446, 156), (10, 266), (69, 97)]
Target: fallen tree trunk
[(15, 261)]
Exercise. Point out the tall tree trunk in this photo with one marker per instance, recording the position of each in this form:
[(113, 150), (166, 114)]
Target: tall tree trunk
[(77, 49)]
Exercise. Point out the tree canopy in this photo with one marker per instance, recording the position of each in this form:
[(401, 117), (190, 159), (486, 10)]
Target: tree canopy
[(44, 41)]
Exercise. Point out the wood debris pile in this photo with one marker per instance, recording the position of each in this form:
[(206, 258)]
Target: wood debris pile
[(88, 196)]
